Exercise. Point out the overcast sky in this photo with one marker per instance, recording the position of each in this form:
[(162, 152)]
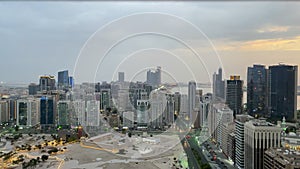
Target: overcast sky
[(186, 38)]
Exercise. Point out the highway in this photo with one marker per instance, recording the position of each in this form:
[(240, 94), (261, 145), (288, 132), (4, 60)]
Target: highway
[(193, 164)]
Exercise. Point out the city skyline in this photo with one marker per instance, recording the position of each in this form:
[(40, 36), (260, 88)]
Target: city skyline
[(56, 39)]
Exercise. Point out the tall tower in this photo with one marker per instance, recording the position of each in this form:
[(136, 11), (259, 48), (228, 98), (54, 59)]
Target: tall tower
[(63, 79), (191, 100), (240, 121), (234, 94), (154, 77), (218, 85), (47, 112), (47, 82), (121, 76), (283, 91), (257, 91), (259, 136)]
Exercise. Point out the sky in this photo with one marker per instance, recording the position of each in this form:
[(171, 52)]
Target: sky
[(189, 40)]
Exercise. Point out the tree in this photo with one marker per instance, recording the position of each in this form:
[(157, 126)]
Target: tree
[(44, 157)]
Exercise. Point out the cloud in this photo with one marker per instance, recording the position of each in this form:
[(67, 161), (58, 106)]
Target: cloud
[(276, 44), (273, 29)]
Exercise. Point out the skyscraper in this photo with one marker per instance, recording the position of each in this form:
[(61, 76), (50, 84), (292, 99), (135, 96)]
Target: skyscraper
[(191, 100), (63, 111), (63, 79), (47, 82), (259, 136), (27, 112), (33, 88), (154, 77), (121, 77), (218, 85), (47, 112), (234, 94), (257, 91), (240, 121), (283, 91)]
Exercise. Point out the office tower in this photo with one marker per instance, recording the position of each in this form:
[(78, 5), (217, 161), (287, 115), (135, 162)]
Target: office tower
[(234, 94), (240, 121), (231, 146), (33, 88), (13, 108), (4, 111), (184, 105), (157, 106), (92, 113), (79, 109), (105, 99), (225, 116), (226, 130), (281, 158), (27, 112), (47, 112), (71, 82), (283, 91), (121, 77), (128, 119), (257, 91), (64, 114), (177, 103), (47, 82), (259, 136), (143, 110), (168, 116), (191, 100), (218, 85), (154, 77), (205, 108), (63, 80)]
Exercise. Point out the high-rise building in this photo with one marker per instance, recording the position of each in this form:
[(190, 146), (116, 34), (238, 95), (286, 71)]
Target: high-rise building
[(154, 77), (27, 112), (143, 110), (33, 88), (257, 91), (239, 140), (63, 79), (79, 109), (71, 82), (105, 99), (177, 103), (226, 130), (47, 82), (47, 112), (283, 91), (168, 115), (234, 94), (157, 106), (218, 85), (92, 113), (225, 116), (63, 111), (259, 136), (205, 108), (191, 100), (121, 76), (4, 111)]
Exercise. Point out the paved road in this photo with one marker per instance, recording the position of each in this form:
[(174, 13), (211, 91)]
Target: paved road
[(220, 156), (193, 164)]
